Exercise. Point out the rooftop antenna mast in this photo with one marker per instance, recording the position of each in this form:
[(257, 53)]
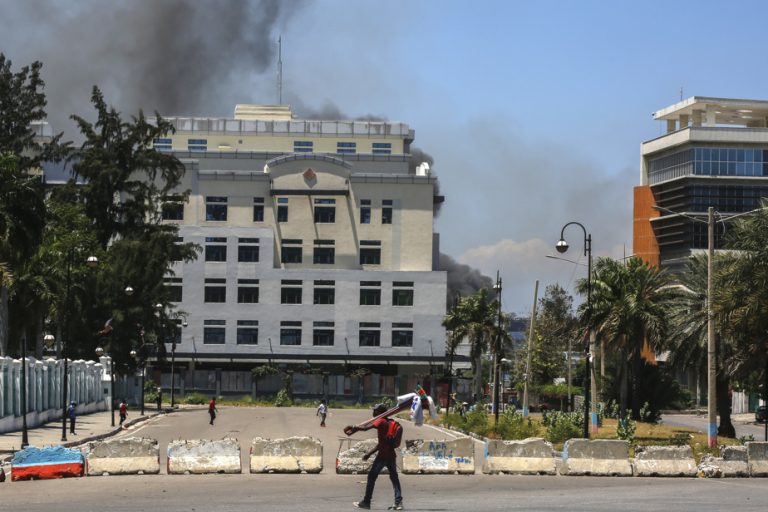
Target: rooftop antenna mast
[(280, 70)]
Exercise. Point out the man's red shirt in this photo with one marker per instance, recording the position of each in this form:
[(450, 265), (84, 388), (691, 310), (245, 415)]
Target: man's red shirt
[(385, 450)]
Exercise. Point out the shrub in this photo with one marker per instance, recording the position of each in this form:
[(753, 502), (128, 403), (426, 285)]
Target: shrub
[(648, 415), (477, 420), (626, 429), (195, 399), (150, 392), (562, 426), (513, 425), (283, 399)]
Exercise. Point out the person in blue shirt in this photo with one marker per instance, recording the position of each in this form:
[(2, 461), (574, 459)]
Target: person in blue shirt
[(72, 413)]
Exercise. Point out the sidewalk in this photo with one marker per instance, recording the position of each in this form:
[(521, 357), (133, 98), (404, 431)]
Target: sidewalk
[(87, 427)]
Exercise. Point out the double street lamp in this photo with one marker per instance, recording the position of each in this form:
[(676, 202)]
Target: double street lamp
[(99, 353), (589, 387)]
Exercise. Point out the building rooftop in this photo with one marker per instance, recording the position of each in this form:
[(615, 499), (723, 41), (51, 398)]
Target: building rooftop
[(708, 111)]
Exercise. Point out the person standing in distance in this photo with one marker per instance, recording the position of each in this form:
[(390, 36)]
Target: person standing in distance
[(212, 409), (123, 411), (322, 411), (390, 434), (72, 413)]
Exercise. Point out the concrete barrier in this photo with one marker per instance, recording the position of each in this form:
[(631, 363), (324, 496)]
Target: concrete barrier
[(532, 456), (731, 463), (44, 463), (437, 457), (757, 458), (664, 461), (200, 456), (350, 461), (291, 455), (601, 457), (132, 455)]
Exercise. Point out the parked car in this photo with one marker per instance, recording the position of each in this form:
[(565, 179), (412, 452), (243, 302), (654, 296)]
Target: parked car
[(761, 414)]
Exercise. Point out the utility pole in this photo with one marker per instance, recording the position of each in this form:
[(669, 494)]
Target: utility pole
[(711, 368), (531, 330)]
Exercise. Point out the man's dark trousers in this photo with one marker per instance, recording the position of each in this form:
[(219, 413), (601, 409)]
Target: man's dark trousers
[(379, 464)]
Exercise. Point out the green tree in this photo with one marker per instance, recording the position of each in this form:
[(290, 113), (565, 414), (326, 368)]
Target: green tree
[(555, 327), (629, 311)]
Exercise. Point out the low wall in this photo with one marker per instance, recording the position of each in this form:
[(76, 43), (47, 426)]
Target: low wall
[(200, 456), (601, 457), (664, 461), (291, 455), (731, 463), (350, 461), (439, 456), (45, 463), (132, 455), (532, 456)]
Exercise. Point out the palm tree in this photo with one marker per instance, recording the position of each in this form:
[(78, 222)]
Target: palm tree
[(474, 318), (628, 311)]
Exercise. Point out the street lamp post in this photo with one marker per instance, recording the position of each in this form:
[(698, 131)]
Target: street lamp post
[(141, 360), (497, 287), (91, 262), (529, 353), (99, 353), (561, 247), (24, 434)]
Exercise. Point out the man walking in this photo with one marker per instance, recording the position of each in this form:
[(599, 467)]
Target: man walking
[(390, 434), (123, 411), (212, 409), (322, 411), (72, 413)]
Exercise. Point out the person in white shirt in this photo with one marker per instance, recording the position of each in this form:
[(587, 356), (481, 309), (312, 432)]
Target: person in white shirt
[(322, 411)]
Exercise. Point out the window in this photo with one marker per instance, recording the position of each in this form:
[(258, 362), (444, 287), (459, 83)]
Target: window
[(248, 250), (346, 148), (290, 293), (215, 248), (162, 144), (386, 211), (174, 288), (290, 332), (173, 208), (303, 146), (402, 334), (369, 334), (258, 209), (290, 251), (282, 209), (370, 293), (247, 291), (325, 211), (214, 332), (402, 293), (247, 332), (215, 208), (365, 211), (324, 255), (197, 144), (325, 293), (176, 256), (382, 148), (370, 252), (215, 290), (322, 334)]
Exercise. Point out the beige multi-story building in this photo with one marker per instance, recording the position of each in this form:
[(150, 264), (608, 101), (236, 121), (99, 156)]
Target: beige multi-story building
[(318, 254)]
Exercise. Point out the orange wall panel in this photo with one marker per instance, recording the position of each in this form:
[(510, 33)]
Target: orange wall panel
[(644, 243)]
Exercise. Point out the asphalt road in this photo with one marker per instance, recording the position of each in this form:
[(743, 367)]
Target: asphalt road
[(328, 491), (699, 422)]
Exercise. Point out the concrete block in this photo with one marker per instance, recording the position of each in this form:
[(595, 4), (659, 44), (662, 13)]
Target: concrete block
[(436, 457), (350, 462), (201, 456), (601, 457), (664, 461), (757, 458), (291, 455), (44, 463), (532, 456), (731, 463), (132, 455)]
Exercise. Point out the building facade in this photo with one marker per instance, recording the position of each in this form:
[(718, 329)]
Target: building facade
[(714, 153), (317, 255)]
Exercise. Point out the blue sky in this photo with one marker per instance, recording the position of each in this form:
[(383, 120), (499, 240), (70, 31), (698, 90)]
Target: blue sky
[(534, 112)]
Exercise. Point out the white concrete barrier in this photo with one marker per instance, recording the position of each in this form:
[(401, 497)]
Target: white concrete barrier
[(33, 463), (664, 461), (456, 456), (350, 461), (200, 456), (132, 455), (601, 457), (291, 455), (532, 456), (757, 458), (731, 463)]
